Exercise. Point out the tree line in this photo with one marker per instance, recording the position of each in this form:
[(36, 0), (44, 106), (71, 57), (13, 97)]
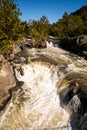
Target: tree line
[(13, 29)]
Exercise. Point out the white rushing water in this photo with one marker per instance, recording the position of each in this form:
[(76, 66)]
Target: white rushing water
[(48, 74), (41, 110)]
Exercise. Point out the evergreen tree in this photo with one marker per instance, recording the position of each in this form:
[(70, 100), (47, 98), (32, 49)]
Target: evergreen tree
[(44, 20), (10, 26)]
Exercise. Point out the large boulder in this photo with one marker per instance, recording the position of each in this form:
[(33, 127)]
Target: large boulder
[(7, 79)]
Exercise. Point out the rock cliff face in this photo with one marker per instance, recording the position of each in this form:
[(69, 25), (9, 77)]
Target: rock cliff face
[(7, 79)]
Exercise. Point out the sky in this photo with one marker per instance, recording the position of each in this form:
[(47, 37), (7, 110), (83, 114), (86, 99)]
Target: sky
[(52, 9)]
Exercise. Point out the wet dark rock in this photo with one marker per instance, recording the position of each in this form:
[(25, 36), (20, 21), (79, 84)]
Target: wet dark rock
[(25, 45), (21, 71), (29, 45), (71, 91), (83, 107), (74, 88), (77, 105), (73, 107), (84, 53), (76, 102), (83, 122), (77, 45), (75, 121)]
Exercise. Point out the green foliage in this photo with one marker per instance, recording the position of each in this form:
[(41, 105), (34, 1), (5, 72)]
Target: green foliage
[(82, 12), (39, 30), (25, 28), (44, 20), (10, 26), (6, 47), (71, 25), (12, 29)]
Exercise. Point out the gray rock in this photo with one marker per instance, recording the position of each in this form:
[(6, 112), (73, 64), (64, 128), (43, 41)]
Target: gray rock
[(74, 104)]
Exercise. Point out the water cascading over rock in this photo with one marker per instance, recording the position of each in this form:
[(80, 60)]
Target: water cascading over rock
[(37, 105), (49, 95)]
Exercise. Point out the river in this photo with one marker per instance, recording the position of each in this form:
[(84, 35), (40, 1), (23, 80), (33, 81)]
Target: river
[(48, 98)]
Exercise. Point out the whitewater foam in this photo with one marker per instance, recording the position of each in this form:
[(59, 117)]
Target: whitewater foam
[(39, 105)]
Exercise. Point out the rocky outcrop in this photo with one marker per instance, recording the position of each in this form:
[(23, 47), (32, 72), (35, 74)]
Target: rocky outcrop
[(15, 50), (54, 40), (29, 42), (76, 45), (7, 80)]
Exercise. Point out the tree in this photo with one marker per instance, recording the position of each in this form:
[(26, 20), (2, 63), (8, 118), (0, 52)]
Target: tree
[(10, 25), (44, 20), (25, 28), (39, 30), (65, 16), (69, 25), (82, 13)]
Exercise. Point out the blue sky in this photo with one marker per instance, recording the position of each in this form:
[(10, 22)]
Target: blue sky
[(52, 9)]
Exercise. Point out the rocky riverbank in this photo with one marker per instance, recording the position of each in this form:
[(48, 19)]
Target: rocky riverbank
[(73, 67), (7, 80), (77, 45)]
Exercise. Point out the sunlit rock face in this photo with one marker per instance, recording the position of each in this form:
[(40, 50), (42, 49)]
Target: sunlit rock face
[(7, 81), (41, 102)]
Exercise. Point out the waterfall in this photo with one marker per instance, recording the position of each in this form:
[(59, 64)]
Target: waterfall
[(39, 107), (47, 76), (49, 44)]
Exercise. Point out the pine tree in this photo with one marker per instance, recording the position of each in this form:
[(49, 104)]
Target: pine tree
[(9, 23)]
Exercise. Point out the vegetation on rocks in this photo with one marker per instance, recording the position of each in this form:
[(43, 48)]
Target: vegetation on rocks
[(39, 30), (12, 29)]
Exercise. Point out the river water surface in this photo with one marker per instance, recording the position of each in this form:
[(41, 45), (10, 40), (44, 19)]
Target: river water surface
[(41, 102)]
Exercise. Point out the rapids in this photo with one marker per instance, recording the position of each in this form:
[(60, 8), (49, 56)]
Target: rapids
[(40, 103)]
